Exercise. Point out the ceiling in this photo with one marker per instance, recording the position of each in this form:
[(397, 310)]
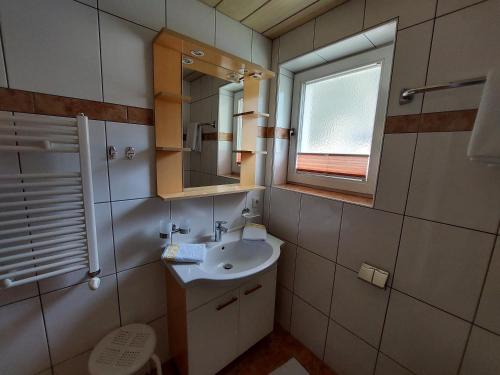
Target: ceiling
[(273, 17)]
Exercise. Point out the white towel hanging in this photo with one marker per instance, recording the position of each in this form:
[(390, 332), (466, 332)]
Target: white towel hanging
[(484, 145)]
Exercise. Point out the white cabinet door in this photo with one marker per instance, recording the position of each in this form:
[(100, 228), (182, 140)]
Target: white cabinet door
[(213, 334), (256, 309), (136, 177)]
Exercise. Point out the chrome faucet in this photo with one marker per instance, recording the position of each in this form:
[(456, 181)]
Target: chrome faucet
[(219, 229)]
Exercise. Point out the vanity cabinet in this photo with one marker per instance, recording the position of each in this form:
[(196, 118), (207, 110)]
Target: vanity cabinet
[(212, 323)]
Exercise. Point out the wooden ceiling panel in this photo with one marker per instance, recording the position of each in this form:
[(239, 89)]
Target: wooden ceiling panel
[(211, 3), (274, 12), (273, 18), (239, 9), (312, 11)]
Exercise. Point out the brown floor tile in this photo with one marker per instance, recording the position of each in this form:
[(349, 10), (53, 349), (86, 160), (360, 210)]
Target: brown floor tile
[(269, 354)]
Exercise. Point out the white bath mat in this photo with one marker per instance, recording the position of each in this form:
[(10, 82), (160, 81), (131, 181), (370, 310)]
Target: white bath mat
[(292, 367)]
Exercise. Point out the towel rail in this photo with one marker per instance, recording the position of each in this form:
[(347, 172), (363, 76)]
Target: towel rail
[(76, 245), (24, 176), (67, 207), (30, 237), (40, 193), (59, 121), (33, 228), (71, 199), (33, 245), (407, 95), (47, 219), (28, 271), (8, 283), (49, 258), (38, 129), (64, 216)]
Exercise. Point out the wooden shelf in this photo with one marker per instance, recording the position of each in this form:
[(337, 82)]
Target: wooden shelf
[(171, 97), (250, 152), (174, 149), (251, 114), (209, 191)]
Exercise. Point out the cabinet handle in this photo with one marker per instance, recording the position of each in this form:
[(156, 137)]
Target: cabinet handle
[(250, 291), (226, 304)]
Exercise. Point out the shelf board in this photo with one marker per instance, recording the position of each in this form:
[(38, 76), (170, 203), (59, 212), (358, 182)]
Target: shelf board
[(173, 149), (209, 191), (252, 114), (250, 152), (171, 97)]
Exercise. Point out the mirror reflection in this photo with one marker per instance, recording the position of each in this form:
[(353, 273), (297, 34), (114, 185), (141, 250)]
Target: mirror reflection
[(210, 130)]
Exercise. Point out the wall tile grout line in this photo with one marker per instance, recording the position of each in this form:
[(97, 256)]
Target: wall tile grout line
[(478, 304)]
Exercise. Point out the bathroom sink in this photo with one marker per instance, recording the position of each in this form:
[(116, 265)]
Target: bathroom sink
[(230, 259)]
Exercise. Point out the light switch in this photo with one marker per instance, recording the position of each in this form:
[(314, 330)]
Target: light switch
[(366, 272), (380, 278)]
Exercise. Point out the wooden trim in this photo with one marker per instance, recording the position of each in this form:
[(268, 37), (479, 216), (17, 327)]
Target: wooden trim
[(184, 44), (251, 114), (173, 97), (209, 191), (281, 133), (328, 194)]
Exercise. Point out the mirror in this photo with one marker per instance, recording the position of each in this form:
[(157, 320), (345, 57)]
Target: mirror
[(210, 130)]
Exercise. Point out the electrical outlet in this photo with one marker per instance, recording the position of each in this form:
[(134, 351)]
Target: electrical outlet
[(255, 203)]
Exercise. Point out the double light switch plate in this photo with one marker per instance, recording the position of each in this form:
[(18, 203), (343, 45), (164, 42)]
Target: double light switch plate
[(373, 275)]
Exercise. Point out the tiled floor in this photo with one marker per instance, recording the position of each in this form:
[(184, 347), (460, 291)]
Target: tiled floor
[(267, 355)]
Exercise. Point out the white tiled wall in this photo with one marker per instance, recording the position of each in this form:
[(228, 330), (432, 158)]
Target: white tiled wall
[(435, 221), (48, 54), (102, 51)]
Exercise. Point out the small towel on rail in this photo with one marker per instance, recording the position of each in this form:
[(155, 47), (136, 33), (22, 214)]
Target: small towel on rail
[(193, 138), (484, 144), (184, 253)]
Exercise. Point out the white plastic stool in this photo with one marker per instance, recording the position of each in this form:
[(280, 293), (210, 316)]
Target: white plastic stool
[(124, 351)]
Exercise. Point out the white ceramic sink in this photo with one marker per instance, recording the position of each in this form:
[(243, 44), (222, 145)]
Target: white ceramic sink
[(230, 259)]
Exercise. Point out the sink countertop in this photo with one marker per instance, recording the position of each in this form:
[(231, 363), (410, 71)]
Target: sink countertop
[(186, 273)]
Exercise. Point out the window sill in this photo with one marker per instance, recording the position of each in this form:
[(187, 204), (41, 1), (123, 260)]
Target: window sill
[(328, 194)]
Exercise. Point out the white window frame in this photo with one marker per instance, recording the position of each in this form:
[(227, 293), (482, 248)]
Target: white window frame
[(382, 56)]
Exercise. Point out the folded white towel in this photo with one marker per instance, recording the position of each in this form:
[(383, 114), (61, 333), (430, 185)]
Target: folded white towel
[(254, 232), (193, 137), (184, 253), (484, 144)]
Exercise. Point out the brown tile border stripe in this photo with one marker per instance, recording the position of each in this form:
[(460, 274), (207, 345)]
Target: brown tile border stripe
[(44, 104), (138, 115), (16, 101), (63, 106), (54, 105), (452, 121)]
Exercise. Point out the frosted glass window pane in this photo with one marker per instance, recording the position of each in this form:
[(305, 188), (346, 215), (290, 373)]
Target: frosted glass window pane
[(338, 113)]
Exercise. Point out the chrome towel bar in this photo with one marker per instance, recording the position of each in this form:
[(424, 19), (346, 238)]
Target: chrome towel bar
[(407, 95)]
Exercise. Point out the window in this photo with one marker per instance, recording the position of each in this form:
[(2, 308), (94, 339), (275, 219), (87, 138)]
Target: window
[(339, 114)]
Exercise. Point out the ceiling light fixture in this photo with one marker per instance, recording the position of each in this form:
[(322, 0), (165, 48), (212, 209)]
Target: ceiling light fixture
[(197, 52)]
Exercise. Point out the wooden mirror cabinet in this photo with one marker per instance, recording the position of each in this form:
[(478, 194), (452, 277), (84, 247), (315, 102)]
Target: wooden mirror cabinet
[(171, 51)]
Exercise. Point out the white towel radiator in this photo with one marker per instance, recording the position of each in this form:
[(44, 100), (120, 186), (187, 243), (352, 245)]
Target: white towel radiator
[(47, 220)]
